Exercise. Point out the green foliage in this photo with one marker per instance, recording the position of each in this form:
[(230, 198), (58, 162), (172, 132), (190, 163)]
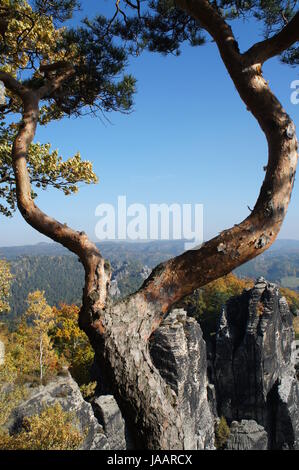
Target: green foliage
[(222, 433), (205, 304), (46, 169), (161, 27), (61, 278), (53, 429), (32, 39), (5, 285), (30, 346), (276, 266), (292, 298), (71, 343), (60, 10), (11, 394), (158, 25), (88, 390), (35, 38)]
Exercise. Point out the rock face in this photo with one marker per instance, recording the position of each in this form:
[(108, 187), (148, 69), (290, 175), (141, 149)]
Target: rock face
[(65, 391), (109, 416), (254, 364), (179, 352), (251, 364), (247, 435)]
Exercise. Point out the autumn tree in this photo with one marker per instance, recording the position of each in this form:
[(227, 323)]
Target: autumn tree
[(30, 347), (206, 303), (49, 72), (41, 316), (71, 342), (52, 429), (5, 283)]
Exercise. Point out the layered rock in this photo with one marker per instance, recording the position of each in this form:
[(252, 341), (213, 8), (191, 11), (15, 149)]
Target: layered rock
[(247, 435), (65, 391), (178, 351), (254, 364), (109, 416)]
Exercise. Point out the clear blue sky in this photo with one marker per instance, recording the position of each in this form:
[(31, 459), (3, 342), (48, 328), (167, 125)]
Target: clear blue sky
[(190, 139)]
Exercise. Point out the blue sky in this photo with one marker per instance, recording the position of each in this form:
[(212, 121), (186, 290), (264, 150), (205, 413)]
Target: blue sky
[(190, 139)]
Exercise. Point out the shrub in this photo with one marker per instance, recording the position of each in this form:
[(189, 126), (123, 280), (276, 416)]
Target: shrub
[(53, 429), (222, 433), (88, 390), (11, 394)]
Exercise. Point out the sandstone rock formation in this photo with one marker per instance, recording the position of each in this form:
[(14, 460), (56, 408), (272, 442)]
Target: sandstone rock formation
[(247, 435), (65, 391), (252, 380), (178, 350), (254, 364), (109, 416)]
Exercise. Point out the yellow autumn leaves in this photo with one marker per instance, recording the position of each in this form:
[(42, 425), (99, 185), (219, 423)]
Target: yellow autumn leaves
[(46, 168), (53, 429), (27, 35), (5, 282)]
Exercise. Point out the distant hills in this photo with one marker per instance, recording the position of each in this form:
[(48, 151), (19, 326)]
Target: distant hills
[(285, 245), (150, 253), (52, 268), (279, 264), (152, 250)]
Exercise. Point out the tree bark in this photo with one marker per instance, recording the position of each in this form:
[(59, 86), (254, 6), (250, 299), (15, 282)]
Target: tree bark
[(120, 333), (124, 330)]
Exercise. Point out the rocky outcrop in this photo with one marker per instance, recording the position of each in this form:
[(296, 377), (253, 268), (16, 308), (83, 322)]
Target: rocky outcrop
[(65, 391), (251, 363), (109, 416), (179, 352), (113, 289), (254, 364), (247, 435)]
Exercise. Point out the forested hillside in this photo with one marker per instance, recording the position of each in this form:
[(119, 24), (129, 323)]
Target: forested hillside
[(61, 277), (280, 264), (51, 268)]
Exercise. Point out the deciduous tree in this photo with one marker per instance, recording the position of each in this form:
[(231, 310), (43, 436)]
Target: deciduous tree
[(41, 316), (72, 343), (5, 283)]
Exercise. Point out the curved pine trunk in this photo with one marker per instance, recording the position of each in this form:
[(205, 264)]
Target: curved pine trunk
[(120, 334)]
